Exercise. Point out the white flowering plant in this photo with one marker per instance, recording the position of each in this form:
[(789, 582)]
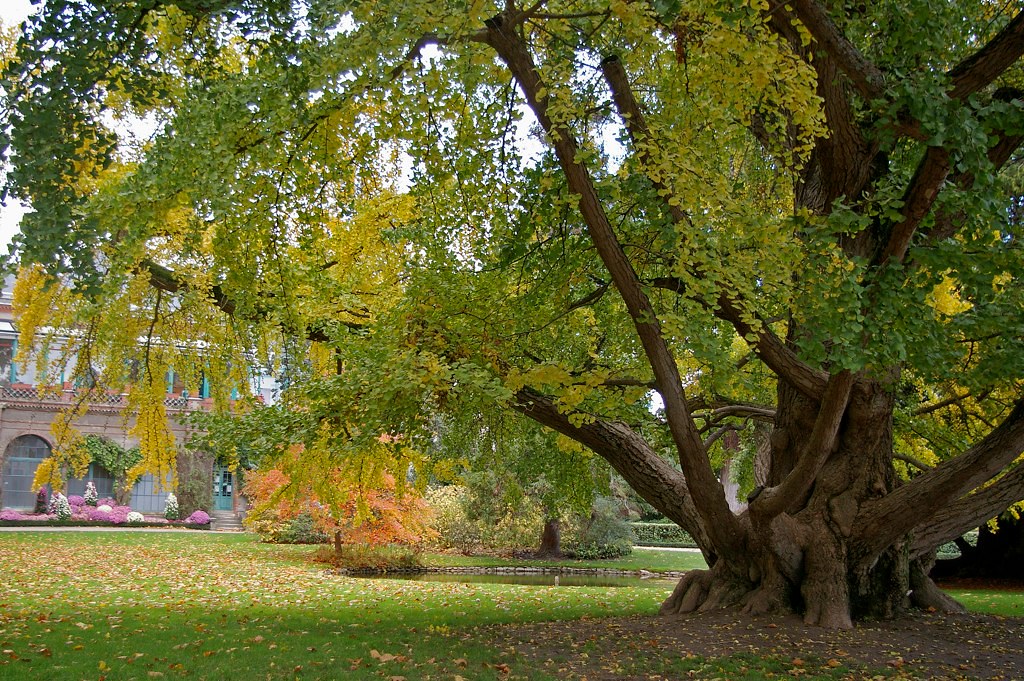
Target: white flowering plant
[(135, 517), (171, 510), (61, 507), (90, 496)]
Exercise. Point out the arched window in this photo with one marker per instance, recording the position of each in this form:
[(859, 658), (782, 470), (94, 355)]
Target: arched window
[(99, 476), (20, 462)]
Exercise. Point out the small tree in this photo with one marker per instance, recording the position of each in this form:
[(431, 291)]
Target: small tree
[(377, 515), (513, 463), (117, 460)]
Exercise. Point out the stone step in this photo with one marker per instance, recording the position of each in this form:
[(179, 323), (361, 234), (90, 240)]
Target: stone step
[(226, 521)]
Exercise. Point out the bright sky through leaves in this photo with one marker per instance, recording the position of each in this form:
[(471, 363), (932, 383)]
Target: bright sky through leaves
[(12, 12)]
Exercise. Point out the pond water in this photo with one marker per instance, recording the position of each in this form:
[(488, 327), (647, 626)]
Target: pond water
[(533, 579)]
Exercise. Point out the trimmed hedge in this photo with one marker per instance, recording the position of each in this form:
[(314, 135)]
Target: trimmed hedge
[(661, 534)]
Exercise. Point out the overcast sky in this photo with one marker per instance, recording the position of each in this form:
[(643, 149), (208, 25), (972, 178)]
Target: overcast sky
[(12, 12)]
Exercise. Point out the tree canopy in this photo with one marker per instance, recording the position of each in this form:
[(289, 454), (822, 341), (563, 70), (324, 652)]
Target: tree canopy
[(806, 213)]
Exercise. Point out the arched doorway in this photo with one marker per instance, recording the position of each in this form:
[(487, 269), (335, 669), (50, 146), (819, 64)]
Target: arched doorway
[(20, 462)]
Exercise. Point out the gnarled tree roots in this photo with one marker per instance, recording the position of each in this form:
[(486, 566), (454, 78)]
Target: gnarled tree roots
[(703, 590)]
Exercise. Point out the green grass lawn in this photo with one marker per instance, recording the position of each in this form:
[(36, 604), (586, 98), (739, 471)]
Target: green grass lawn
[(990, 601), (110, 606)]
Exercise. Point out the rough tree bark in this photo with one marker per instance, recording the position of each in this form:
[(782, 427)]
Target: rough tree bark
[(551, 538)]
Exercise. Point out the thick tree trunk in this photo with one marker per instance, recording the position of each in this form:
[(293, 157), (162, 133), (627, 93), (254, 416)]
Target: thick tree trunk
[(925, 593), (551, 538), (806, 559)]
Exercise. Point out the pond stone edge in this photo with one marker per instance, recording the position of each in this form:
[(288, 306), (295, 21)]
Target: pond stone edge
[(418, 570)]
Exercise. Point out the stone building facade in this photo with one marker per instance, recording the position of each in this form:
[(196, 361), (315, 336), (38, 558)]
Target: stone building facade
[(27, 413)]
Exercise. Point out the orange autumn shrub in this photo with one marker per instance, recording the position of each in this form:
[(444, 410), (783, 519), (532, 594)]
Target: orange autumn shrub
[(335, 509)]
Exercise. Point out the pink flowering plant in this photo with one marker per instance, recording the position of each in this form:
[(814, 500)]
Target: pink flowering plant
[(198, 518), (97, 514), (78, 509)]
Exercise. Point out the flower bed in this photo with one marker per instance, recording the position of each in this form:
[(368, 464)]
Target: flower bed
[(51, 521), (106, 513)]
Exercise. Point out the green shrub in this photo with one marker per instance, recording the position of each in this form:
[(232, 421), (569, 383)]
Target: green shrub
[(454, 529), (597, 551), (950, 550), (464, 522), (368, 557), (299, 530), (661, 534), (605, 534)]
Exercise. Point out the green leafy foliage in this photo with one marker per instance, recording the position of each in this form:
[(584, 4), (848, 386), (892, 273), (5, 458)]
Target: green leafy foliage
[(605, 533), (471, 521), (116, 459), (301, 529), (660, 534)]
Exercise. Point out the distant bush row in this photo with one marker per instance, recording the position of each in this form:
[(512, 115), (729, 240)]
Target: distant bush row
[(661, 534)]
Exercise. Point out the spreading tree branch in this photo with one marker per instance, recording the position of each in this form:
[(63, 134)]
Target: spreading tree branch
[(772, 349), (947, 224), (769, 347), (884, 520), (502, 34), (917, 202), (969, 512), (652, 477), (636, 124), (164, 279), (818, 448), (988, 63), (866, 77), (913, 461)]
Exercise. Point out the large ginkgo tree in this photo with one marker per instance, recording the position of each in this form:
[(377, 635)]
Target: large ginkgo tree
[(639, 223)]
